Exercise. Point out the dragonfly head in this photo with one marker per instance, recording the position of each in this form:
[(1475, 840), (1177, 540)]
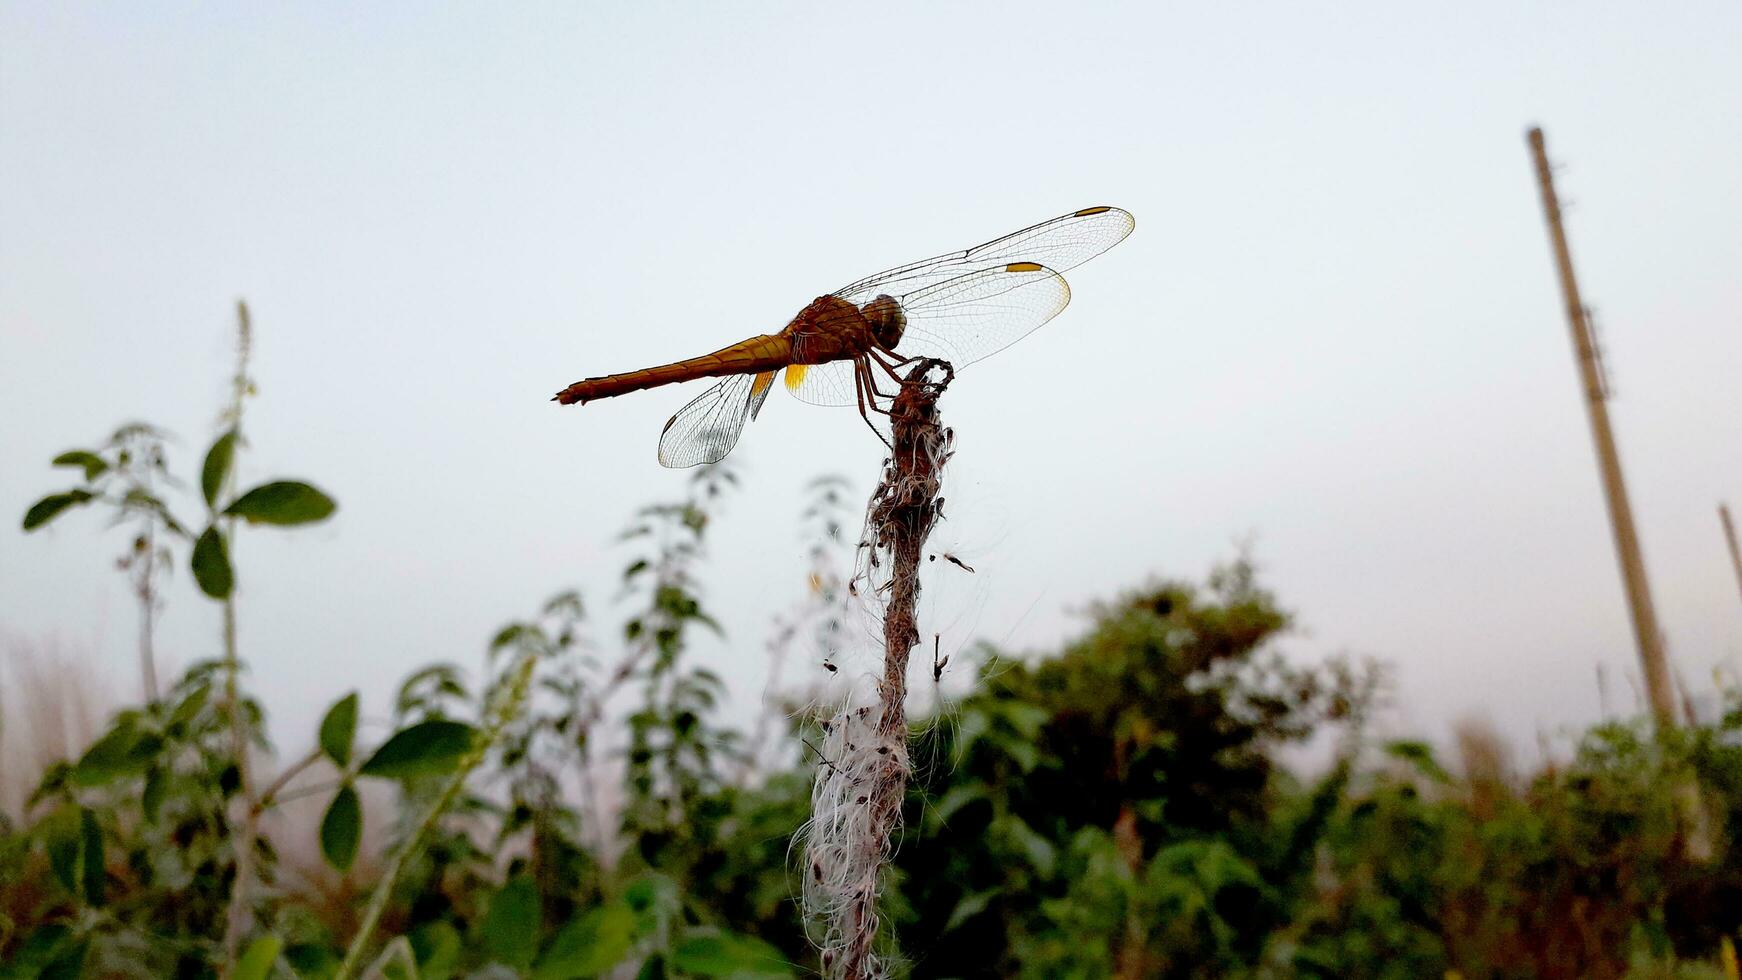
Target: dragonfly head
[(886, 320)]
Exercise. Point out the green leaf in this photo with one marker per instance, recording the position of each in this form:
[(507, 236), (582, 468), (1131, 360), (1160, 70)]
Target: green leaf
[(1025, 754), (137, 500), (1421, 756), (511, 926), (727, 954), (256, 963), (508, 634), (397, 962), (312, 960), (93, 868), (655, 896), (217, 467), (427, 748), (41, 951), (49, 507), (589, 945), (1023, 840), (93, 464), (70, 965), (970, 906), (1027, 719), (156, 787), (339, 728), (342, 828), (60, 838), (124, 751), (957, 797), (190, 706), (437, 948), (212, 564), (285, 502)]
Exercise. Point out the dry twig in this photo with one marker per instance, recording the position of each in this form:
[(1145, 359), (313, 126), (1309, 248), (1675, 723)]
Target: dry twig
[(856, 800)]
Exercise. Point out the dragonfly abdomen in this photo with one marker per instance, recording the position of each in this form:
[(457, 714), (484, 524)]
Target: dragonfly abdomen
[(758, 354)]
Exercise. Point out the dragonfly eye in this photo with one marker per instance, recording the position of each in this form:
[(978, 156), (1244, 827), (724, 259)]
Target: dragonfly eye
[(886, 320)]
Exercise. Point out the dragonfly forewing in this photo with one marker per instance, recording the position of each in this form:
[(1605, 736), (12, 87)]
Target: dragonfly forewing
[(1060, 244)]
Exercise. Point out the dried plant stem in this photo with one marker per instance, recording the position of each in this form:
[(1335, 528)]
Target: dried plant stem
[(856, 803), (903, 512)]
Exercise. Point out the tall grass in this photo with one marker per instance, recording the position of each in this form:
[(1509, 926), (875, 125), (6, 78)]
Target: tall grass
[(52, 707)]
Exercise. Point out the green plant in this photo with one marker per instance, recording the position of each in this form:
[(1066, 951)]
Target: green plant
[(129, 474), (582, 807)]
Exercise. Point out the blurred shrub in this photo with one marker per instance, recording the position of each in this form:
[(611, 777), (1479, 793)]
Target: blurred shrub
[(1113, 809)]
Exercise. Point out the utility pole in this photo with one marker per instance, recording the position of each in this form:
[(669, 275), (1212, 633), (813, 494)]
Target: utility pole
[(1657, 679), (1730, 538)]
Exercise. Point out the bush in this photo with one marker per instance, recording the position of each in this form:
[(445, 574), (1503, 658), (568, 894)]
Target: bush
[(1111, 809)]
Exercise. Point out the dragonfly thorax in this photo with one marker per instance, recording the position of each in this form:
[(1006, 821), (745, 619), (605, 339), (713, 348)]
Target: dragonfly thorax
[(834, 329), (883, 315)]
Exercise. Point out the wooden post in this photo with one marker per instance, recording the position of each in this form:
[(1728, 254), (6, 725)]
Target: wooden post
[(1730, 539), (1645, 631)]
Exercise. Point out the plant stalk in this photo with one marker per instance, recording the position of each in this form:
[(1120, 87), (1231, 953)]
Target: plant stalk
[(147, 593), (871, 781), (238, 918), (504, 714)]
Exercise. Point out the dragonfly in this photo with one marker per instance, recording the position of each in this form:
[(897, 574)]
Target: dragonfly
[(845, 346)]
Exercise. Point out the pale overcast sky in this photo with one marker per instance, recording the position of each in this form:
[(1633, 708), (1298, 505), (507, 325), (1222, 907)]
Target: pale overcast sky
[(1336, 331)]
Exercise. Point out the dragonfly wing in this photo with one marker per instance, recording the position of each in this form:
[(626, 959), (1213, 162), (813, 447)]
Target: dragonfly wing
[(705, 430), (823, 384), (759, 392), (977, 314), (1061, 244)]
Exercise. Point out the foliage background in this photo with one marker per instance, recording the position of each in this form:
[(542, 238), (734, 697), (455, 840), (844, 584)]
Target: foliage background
[(578, 807)]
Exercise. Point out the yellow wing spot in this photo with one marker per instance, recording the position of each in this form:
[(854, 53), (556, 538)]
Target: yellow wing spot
[(1084, 213), (795, 376), (761, 383), (1023, 267)]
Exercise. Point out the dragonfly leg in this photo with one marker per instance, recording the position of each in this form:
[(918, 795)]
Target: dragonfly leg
[(862, 368), (889, 366), (862, 381)]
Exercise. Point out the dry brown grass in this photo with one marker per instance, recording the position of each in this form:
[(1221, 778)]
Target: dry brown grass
[(1486, 759), (53, 704)]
